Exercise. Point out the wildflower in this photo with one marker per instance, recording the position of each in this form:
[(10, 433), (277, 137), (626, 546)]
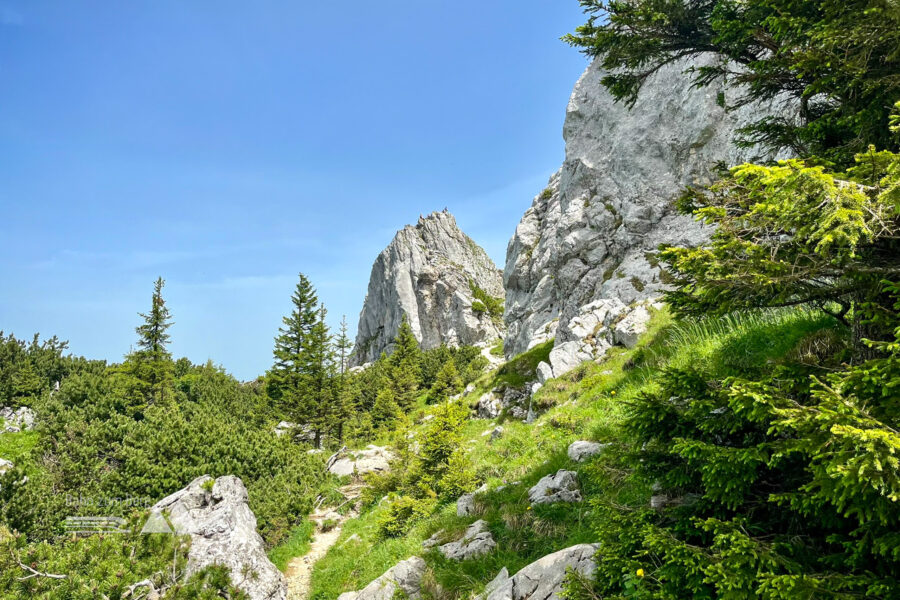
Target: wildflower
[(529, 508), (612, 393), (640, 572)]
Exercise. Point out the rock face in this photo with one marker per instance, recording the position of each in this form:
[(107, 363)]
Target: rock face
[(476, 541), (592, 232), (223, 532), (403, 579), (544, 578), (425, 274), (561, 487), (16, 420)]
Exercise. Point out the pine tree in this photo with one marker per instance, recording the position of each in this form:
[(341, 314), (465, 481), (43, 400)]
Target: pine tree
[(151, 364), (405, 366)]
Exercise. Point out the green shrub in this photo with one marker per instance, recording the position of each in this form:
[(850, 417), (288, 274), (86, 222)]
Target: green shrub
[(402, 513)]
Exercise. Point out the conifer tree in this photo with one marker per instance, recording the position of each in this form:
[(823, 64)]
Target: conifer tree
[(447, 383), (316, 398), (386, 411), (151, 364), (283, 378), (343, 391), (405, 366)]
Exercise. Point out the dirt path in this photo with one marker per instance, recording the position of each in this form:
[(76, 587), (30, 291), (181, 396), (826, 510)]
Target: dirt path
[(299, 569)]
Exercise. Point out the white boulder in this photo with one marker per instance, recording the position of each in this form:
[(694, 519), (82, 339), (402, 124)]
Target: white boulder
[(223, 532), (403, 580), (582, 450), (476, 541), (544, 578)]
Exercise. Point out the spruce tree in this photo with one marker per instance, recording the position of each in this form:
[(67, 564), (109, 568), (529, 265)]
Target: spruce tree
[(151, 364), (284, 376), (448, 383), (405, 366), (343, 392)]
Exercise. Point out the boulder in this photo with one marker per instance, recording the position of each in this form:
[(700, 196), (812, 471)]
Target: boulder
[(476, 541), (223, 532), (5, 465), (465, 505), (544, 372), (593, 232), (632, 326), (560, 487), (580, 451), (429, 275), (489, 406), (544, 578), (568, 355), (403, 580), (495, 433), (373, 459)]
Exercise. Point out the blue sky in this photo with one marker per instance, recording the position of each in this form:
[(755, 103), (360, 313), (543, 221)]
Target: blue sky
[(227, 146)]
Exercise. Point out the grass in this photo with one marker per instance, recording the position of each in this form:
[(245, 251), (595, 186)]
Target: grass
[(296, 544), (588, 403), (17, 446)]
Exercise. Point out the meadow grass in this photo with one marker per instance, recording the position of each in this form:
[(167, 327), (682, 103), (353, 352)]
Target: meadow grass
[(296, 544), (588, 403)]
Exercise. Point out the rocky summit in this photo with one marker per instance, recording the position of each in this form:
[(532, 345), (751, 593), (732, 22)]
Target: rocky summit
[(437, 278), (592, 233)]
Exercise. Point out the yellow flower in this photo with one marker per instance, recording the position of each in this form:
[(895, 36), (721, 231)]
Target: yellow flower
[(529, 508), (612, 393), (640, 572)]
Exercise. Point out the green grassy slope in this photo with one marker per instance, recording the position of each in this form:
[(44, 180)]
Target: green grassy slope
[(588, 404)]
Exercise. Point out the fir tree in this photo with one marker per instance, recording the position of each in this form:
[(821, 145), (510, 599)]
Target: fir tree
[(151, 364), (386, 412), (316, 397)]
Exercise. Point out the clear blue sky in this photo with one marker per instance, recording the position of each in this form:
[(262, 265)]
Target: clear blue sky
[(227, 146)]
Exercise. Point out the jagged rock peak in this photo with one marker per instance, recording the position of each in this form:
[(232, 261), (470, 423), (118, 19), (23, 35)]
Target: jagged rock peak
[(430, 273), (592, 233)]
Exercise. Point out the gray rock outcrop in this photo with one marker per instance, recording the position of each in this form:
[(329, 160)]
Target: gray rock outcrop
[(427, 274), (403, 579), (5, 465), (544, 578), (476, 541), (15, 420), (223, 532), (559, 487), (592, 233)]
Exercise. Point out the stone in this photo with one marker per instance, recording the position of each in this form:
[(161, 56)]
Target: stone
[(424, 275), (544, 372), (373, 459), (433, 541), (5, 465), (495, 433), (402, 580), (476, 541), (14, 420), (465, 505), (580, 451), (593, 232), (489, 406), (544, 578), (223, 532), (560, 487), (632, 327), (568, 355)]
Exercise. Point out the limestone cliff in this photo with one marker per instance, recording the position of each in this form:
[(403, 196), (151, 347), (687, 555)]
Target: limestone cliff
[(591, 234), (430, 273)]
